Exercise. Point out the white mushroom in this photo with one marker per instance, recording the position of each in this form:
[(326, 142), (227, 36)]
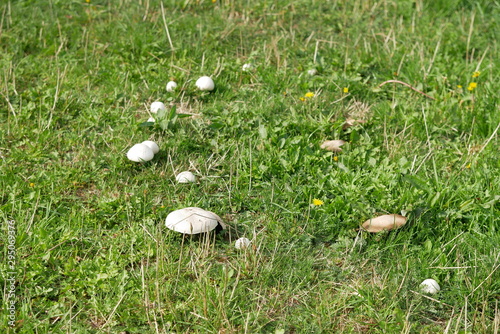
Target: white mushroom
[(333, 145), (152, 145), (312, 72), (242, 243), (155, 106), (193, 220), (171, 86), (247, 67), (384, 223), (430, 286), (185, 177), (205, 83), (140, 153)]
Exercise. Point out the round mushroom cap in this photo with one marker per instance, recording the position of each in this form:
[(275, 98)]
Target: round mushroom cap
[(205, 83), (152, 145), (140, 153), (171, 86), (155, 106), (193, 220), (384, 223), (430, 286), (242, 243), (185, 177)]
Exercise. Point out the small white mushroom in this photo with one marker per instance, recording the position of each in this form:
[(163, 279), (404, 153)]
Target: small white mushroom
[(242, 243), (333, 145), (205, 83), (247, 67), (140, 153), (152, 145), (384, 223), (171, 86), (430, 286), (155, 106), (185, 177), (312, 72), (193, 220)]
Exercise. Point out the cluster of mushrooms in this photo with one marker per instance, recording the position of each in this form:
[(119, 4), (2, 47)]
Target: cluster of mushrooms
[(194, 220)]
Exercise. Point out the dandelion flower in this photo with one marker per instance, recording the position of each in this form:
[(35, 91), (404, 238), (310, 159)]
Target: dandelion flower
[(476, 74), (302, 98), (32, 185), (472, 86), (317, 202), (459, 86), (346, 90), (335, 158), (309, 94)]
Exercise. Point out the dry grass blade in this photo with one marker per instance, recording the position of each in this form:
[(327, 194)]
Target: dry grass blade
[(407, 85)]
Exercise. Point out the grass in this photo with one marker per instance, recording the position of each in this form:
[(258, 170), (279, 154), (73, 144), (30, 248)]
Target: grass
[(91, 250)]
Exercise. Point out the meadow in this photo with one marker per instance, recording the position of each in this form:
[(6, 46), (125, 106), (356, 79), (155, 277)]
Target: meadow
[(411, 86)]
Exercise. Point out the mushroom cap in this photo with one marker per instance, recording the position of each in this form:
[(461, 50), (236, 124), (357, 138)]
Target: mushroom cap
[(384, 223), (140, 153), (205, 83), (171, 86), (312, 71), (242, 243), (193, 220), (333, 145), (152, 145), (155, 106), (430, 286), (185, 177)]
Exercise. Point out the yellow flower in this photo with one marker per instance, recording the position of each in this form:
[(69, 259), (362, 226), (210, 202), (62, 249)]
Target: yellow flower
[(472, 86), (335, 158), (317, 202), (302, 98), (476, 74), (32, 185), (346, 90), (309, 94), (468, 166), (459, 86)]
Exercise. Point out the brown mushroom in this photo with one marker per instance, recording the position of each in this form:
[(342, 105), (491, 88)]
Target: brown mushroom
[(333, 145), (384, 223)]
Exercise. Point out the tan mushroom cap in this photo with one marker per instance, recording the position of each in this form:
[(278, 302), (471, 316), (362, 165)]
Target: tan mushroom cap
[(333, 145), (384, 223), (193, 220)]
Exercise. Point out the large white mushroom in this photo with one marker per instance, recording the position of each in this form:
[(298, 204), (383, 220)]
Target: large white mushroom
[(140, 153), (430, 286), (205, 83), (152, 145), (155, 106), (193, 220)]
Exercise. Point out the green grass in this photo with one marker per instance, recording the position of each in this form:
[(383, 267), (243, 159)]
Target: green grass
[(92, 252)]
